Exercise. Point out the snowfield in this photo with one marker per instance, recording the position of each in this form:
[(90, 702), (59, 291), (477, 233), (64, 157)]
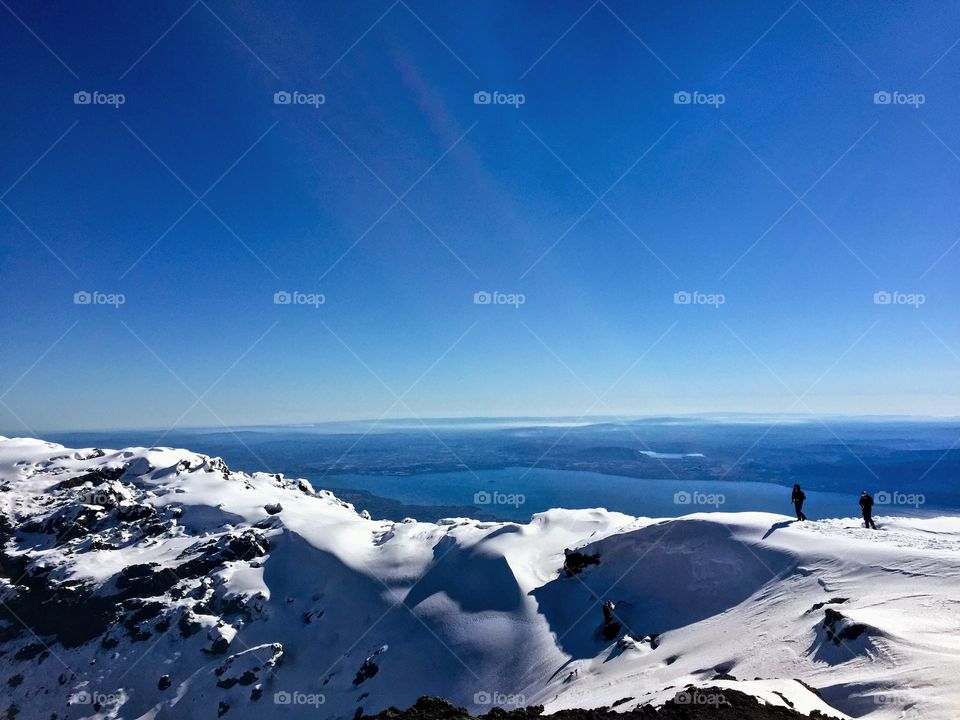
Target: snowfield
[(156, 583)]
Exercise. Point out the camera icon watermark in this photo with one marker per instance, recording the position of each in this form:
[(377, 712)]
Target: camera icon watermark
[(295, 97), (92, 697), (482, 297), (683, 497), (96, 497), (485, 497), (295, 697), (95, 97), (695, 97), (896, 497), (884, 297), (684, 297), (499, 699), (895, 97), (698, 697), (295, 297), (495, 97), (95, 297)]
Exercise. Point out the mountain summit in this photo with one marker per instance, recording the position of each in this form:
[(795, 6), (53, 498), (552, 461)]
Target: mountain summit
[(156, 582)]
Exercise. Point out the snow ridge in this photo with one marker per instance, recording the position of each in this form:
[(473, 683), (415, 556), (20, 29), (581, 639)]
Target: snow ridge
[(157, 583)]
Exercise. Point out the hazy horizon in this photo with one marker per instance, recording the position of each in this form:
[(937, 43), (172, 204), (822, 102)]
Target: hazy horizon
[(414, 423)]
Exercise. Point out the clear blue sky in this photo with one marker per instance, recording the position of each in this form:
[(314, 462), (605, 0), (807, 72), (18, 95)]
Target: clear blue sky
[(104, 198)]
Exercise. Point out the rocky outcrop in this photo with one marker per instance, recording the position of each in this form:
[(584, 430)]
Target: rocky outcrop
[(99, 511), (369, 668), (250, 666), (575, 562), (688, 704), (839, 628)]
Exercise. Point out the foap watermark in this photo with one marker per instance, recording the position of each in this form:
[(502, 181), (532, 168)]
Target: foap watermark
[(485, 497), (295, 297), (695, 97), (95, 97), (683, 297), (905, 706), (495, 97), (682, 497), (895, 497), (92, 697), (890, 698), (482, 297), (96, 497), (95, 297), (499, 699), (895, 97), (295, 697), (884, 297), (699, 697), (295, 97)]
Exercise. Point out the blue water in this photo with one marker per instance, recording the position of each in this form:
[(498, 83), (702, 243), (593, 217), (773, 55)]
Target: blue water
[(516, 493), (413, 467)]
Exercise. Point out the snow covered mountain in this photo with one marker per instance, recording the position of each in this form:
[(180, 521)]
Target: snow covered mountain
[(157, 583)]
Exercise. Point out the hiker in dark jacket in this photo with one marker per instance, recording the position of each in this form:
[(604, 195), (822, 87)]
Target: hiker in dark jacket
[(866, 504), (798, 498)]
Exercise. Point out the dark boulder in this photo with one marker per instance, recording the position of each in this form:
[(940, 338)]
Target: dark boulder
[(575, 562)]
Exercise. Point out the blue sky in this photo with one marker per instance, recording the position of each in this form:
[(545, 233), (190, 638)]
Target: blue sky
[(794, 202)]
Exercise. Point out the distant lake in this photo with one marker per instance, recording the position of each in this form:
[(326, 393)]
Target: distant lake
[(417, 473), (516, 493)]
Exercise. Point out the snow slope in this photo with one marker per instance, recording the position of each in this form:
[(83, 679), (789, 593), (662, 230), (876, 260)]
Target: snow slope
[(161, 585)]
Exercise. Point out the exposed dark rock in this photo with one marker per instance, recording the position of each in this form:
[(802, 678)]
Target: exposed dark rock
[(809, 687), (840, 628), (220, 637), (611, 625), (366, 671), (153, 528), (30, 651), (732, 705), (369, 668), (831, 601), (164, 682), (188, 624), (139, 634), (784, 698), (235, 546), (73, 521), (94, 477), (131, 511), (273, 509), (575, 562), (146, 580), (140, 610)]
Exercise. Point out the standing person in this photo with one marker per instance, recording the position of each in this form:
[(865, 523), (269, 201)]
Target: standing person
[(866, 504), (798, 497)]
